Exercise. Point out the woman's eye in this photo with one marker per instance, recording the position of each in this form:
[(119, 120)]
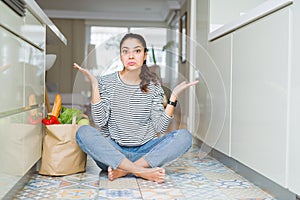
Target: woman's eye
[(124, 51), (138, 51)]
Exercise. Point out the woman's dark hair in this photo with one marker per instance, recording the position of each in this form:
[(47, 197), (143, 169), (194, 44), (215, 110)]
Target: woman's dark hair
[(146, 75)]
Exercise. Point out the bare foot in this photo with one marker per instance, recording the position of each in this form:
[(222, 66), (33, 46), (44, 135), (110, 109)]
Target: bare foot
[(153, 174), (115, 173)]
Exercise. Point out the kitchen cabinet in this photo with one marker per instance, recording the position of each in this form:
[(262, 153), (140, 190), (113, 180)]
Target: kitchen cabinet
[(21, 148), (22, 80), (11, 71), (213, 115), (22, 72), (263, 89), (260, 68)]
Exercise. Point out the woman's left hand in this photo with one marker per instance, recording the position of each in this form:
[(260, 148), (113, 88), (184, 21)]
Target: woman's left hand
[(87, 73), (181, 87)]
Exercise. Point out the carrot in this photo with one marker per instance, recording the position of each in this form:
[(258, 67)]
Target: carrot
[(57, 105)]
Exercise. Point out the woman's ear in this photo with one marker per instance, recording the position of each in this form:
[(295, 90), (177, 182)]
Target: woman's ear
[(145, 58)]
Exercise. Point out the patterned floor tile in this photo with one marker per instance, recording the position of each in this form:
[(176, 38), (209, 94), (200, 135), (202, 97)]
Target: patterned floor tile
[(121, 183), (178, 169), (66, 184), (188, 180), (37, 184), (191, 177), (28, 193), (82, 181), (208, 164), (250, 193), (179, 163), (233, 184), (168, 184), (120, 194), (213, 176), (92, 184), (77, 194), (80, 186), (190, 184), (81, 177), (161, 194), (205, 192)]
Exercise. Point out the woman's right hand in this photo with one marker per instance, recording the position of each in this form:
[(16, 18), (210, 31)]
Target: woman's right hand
[(181, 87), (87, 73), (94, 83)]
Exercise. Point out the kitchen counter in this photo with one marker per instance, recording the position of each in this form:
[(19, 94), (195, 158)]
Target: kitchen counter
[(39, 13), (258, 12)]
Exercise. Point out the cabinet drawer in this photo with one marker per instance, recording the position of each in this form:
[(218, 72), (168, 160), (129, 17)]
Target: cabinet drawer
[(10, 19), (34, 75), (27, 27), (21, 72), (11, 71), (22, 146), (33, 30)]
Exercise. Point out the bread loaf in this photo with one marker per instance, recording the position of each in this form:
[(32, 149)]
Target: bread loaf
[(57, 105)]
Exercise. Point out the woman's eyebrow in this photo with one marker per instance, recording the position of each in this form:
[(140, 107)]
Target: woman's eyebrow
[(133, 47)]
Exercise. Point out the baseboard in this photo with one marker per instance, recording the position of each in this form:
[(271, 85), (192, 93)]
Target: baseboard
[(258, 179)]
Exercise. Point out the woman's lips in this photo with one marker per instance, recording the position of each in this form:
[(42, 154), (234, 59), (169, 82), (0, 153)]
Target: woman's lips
[(131, 63)]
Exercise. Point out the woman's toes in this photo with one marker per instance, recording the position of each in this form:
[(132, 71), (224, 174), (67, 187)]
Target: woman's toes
[(110, 173)]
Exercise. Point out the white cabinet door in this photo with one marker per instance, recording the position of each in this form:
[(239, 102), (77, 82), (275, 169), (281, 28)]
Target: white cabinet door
[(22, 146), (259, 95), (34, 75), (294, 115), (11, 71), (10, 19), (28, 27), (22, 74), (213, 94), (33, 30)]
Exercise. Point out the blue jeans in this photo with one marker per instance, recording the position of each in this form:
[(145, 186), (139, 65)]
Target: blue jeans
[(156, 152)]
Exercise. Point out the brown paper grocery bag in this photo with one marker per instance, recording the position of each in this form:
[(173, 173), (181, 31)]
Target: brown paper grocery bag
[(61, 154)]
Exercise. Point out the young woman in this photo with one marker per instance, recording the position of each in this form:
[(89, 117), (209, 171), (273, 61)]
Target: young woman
[(127, 106)]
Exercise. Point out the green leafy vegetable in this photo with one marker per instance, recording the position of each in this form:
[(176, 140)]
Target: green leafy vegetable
[(67, 115)]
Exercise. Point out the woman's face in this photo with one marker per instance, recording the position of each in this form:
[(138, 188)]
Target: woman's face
[(133, 54)]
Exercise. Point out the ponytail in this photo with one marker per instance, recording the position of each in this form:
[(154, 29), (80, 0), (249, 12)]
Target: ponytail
[(147, 76)]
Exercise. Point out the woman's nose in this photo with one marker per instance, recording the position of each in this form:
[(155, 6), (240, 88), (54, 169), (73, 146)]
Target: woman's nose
[(130, 54)]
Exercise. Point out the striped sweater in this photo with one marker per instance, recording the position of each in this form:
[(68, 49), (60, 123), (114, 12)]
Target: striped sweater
[(127, 115)]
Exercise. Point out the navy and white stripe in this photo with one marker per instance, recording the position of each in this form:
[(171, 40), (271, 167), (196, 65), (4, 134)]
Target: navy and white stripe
[(128, 115)]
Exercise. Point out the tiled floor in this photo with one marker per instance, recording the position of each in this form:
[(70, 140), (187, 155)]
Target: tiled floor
[(187, 178)]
